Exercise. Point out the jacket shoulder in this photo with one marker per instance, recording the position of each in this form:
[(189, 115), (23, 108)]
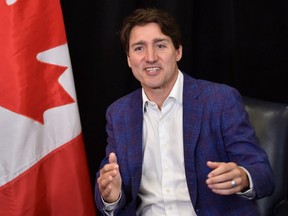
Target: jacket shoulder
[(126, 102)]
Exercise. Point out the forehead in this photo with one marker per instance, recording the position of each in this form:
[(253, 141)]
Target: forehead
[(147, 32)]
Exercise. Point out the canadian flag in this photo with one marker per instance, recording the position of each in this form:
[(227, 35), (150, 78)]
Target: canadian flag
[(43, 167)]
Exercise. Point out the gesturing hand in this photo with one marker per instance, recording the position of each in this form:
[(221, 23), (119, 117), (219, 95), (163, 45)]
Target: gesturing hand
[(110, 180), (226, 178)]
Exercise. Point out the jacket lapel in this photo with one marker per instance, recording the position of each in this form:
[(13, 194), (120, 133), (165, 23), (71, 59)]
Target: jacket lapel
[(192, 117), (135, 126)]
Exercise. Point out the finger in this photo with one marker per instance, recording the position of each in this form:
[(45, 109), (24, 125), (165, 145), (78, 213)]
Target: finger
[(217, 168), (220, 168), (226, 188), (213, 165), (112, 158), (219, 178), (106, 192), (104, 183), (225, 191), (108, 168), (229, 184)]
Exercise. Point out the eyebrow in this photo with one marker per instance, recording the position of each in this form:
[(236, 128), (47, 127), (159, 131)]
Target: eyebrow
[(160, 40), (156, 40), (137, 43)]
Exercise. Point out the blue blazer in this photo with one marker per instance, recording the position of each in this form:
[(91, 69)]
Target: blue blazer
[(215, 127)]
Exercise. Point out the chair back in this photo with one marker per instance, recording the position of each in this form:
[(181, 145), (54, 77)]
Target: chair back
[(270, 121)]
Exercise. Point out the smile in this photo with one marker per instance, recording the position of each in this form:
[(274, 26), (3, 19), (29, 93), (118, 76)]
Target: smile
[(152, 69)]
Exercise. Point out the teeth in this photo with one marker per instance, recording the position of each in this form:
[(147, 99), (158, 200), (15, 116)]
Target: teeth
[(152, 69)]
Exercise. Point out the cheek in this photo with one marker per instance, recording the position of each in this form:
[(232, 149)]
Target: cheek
[(133, 62), (137, 75)]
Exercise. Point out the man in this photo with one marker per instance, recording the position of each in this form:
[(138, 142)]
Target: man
[(177, 146)]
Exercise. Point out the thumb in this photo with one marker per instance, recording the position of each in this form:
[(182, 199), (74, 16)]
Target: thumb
[(112, 158)]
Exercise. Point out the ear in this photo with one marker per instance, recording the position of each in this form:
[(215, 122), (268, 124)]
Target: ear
[(179, 53), (128, 61)]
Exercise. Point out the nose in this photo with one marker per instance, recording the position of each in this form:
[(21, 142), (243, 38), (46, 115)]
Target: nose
[(151, 55)]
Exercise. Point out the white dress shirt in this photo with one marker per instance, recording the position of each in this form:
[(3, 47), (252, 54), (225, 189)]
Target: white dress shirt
[(163, 189)]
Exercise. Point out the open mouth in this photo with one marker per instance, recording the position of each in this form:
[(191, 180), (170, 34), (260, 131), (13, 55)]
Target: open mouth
[(152, 70)]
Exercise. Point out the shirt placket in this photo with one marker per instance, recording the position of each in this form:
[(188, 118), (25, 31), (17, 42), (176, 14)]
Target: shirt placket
[(167, 165)]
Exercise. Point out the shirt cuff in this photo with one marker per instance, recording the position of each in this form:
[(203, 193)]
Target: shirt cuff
[(250, 193), (108, 207)]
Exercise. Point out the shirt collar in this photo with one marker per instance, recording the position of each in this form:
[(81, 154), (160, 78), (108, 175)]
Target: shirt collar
[(176, 92)]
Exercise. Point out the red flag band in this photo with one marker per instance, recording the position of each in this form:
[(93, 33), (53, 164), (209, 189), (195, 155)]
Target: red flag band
[(43, 167)]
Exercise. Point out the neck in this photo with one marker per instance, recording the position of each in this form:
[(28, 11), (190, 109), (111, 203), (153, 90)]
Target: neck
[(158, 96)]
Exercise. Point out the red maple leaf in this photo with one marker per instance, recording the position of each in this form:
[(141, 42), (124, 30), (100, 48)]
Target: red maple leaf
[(27, 86)]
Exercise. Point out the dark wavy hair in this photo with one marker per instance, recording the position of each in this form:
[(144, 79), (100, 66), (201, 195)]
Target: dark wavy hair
[(141, 17)]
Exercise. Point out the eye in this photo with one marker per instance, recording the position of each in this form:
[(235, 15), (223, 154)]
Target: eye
[(161, 46), (138, 48)]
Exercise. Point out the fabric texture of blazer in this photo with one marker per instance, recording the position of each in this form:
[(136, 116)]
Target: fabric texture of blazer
[(215, 128)]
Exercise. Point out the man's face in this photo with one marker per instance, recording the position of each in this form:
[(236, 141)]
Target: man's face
[(153, 58)]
